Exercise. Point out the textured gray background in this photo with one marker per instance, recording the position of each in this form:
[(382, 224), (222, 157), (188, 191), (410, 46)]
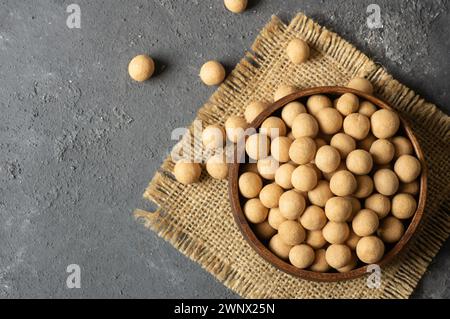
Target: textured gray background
[(79, 141)]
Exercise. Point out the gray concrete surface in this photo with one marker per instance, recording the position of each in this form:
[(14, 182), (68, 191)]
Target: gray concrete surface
[(79, 141)]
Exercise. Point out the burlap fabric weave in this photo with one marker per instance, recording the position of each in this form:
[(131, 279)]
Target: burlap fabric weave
[(197, 219)]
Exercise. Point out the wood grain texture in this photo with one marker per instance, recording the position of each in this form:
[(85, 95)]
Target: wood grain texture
[(264, 252)]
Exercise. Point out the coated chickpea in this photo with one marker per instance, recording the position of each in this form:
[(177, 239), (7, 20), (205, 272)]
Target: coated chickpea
[(357, 126), (338, 256), (302, 150), (273, 127), (327, 159), (385, 181), (403, 206), (141, 68), (270, 195), (378, 203), (217, 166), (291, 232), (292, 204), (254, 109), (313, 218), (330, 120), (320, 263), (283, 91), (257, 146), (187, 172), (213, 136), (359, 162), (352, 240), (283, 175), (314, 238), (290, 112), (367, 108), (348, 103), (343, 143), (250, 184), (304, 178), (402, 146), (275, 218), (301, 256), (407, 168), (263, 230), (212, 73), (384, 123), (279, 248), (320, 194), (409, 188), (336, 233), (280, 148), (365, 222), (235, 128), (382, 151), (305, 125), (338, 209), (236, 6), (366, 143), (255, 211), (298, 51), (317, 102), (343, 183), (361, 84), (370, 249), (267, 167), (391, 230), (365, 186)]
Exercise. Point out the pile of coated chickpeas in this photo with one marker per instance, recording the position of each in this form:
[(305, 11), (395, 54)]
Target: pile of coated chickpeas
[(335, 185)]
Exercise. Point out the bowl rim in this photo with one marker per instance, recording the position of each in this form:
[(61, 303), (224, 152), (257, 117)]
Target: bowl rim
[(285, 266)]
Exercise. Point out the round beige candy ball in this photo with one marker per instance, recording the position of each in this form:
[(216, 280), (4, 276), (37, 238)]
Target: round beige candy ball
[(212, 73), (141, 68), (303, 125), (250, 184), (343, 183), (338, 256), (257, 146), (267, 167), (320, 263), (254, 109), (298, 51), (385, 181), (359, 162), (270, 195), (367, 108), (235, 128), (384, 123), (366, 143), (217, 166), (403, 206), (304, 178), (320, 194), (409, 188), (264, 231), (290, 112), (213, 136), (382, 151), (352, 240), (273, 127), (292, 204), (301, 256), (317, 102), (255, 211), (284, 90), (330, 120), (275, 218), (341, 167), (283, 175), (350, 266), (314, 238), (313, 218), (378, 203), (187, 172), (407, 168), (365, 222), (327, 159), (343, 143), (291, 232), (279, 248), (336, 233), (280, 148), (338, 209), (391, 230), (365, 186), (370, 249), (235, 6), (357, 126), (302, 150), (361, 84), (402, 146), (356, 207), (348, 103)]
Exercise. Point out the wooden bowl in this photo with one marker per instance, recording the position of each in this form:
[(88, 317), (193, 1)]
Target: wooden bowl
[(263, 251)]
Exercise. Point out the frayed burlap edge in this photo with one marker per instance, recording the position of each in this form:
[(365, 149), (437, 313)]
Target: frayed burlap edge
[(401, 280)]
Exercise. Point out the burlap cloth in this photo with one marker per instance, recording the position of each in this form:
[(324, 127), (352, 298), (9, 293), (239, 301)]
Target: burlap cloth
[(197, 219)]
